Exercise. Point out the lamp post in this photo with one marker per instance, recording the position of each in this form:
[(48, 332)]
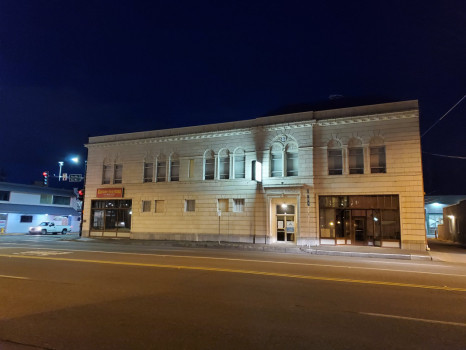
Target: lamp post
[(60, 164)]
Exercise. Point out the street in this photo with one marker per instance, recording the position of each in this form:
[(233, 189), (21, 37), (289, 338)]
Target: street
[(60, 293)]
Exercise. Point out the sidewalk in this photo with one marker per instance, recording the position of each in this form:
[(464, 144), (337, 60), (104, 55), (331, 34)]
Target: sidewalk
[(352, 251), (447, 251)]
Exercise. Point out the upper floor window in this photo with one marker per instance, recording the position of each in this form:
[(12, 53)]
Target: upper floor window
[(4, 195), (356, 160), (106, 174), (161, 169), (276, 161), (291, 160), (239, 164), (148, 172), (224, 164), (118, 174), (61, 200), (174, 168), (334, 158), (378, 161), (209, 165)]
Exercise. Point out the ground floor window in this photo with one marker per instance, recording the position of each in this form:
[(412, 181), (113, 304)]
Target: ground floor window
[(365, 220), (111, 215)]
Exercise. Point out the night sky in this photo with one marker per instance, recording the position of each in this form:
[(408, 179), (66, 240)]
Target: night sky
[(74, 69)]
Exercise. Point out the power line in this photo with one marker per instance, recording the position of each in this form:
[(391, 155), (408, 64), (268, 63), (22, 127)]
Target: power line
[(456, 104), (444, 155)]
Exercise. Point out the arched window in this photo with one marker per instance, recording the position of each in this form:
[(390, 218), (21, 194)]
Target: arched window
[(334, 158), (161, 168), (276, 160), (239, 164), (209, 165), (224, 164), (174, 168), (355, 156), (377, 155), (291, 159)]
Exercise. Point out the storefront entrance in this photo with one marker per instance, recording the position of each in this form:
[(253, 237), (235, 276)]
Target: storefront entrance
[(285, 222), (360, 220), (111, 218)]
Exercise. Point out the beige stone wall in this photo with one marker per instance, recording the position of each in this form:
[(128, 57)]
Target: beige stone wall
[(396, 124)]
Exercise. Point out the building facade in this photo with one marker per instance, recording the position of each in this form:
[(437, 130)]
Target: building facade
[(23, 206), (331, 177)]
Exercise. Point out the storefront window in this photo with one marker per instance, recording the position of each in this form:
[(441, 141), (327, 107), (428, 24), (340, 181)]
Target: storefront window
[(111, 215), (367, 220)]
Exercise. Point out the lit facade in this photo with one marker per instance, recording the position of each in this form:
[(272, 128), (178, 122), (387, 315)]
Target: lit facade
[(23, 206), (348, 176)]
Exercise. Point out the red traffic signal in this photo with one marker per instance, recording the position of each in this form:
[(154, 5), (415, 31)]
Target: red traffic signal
[(81, 194), (45, 179)]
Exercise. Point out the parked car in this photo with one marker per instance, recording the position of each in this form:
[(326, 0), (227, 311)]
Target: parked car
[(49, 227)]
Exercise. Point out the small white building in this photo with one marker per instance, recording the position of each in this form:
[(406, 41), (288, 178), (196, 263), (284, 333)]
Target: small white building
[(350, 176), (22, 206)]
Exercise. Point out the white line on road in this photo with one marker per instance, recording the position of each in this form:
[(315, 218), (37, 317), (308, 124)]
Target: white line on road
[(415, 319), (15, 277)]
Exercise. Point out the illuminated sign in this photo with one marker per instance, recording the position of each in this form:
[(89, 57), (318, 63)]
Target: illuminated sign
[(110, 192)]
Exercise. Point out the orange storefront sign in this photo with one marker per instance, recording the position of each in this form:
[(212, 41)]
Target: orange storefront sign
[(110, 192)]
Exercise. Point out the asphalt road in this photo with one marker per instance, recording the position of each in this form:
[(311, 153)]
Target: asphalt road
[(62, 294)]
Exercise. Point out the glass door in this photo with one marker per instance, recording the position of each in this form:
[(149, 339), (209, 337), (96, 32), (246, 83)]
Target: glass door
[(286, 225)]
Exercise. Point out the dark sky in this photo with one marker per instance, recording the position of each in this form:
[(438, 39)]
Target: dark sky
[(73, 69)]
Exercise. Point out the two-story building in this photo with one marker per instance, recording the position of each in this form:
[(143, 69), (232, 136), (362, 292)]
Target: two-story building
[(23, 206), (329, 177)]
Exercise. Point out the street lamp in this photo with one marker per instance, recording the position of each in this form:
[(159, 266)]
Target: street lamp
[(60, 164)]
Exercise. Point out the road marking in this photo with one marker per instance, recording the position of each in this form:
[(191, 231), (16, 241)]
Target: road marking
[(246, 272), (415, 319), (15, 277), (42, 253), (272, 262)]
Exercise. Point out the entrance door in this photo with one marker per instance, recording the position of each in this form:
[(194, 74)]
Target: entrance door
[(285, 223), (359, 230)]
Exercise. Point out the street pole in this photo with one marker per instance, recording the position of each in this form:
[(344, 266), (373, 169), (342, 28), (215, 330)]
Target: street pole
[(59, 171)]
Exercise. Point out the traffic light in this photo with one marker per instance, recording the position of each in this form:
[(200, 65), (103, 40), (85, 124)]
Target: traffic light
[(45, 179), (81, 194)]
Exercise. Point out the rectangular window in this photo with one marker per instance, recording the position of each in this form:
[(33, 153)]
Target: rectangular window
[(291, 163), (146, 206), (356, 160), (106, 174), (240, 171), (378, 163), (209, 169), (222, 205), (111, 215), (191, 169), (238, 205), (276, 164), (159, 206), (335, 162), (175, 170), (161, 170), (148, 172), (4, 195), (46, 199), (61, 200), (118, 174), (189, 205), (224, 168), (26, 218)]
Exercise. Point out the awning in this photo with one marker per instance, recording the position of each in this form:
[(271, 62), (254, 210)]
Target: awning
[(37, 209)]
